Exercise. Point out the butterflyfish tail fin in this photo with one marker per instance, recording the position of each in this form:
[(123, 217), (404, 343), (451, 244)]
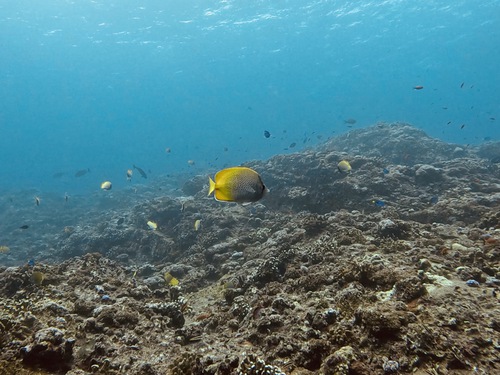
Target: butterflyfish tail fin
[(211, 189)]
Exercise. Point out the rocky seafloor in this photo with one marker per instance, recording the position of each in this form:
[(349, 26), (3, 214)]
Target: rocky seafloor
[(392, 268)]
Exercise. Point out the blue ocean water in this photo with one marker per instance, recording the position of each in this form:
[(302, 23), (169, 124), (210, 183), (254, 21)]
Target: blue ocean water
[(107, 84)]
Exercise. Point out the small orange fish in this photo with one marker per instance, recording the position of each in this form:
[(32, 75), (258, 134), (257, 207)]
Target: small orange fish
[(490, 241), (203, 316), (418, 87)]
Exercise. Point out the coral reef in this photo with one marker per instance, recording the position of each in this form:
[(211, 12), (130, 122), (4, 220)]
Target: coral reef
[(391, 268)]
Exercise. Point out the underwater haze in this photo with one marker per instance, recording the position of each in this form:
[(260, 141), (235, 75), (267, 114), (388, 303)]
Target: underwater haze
[(104, 85)]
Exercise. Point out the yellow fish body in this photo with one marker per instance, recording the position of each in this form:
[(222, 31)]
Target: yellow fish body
[(38, 277), (197, 224), (344, 166), (237, 184), (106, 185), (170, 280), (152, 225)]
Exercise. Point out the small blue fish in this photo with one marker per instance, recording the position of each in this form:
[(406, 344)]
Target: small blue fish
[(379, 203), (434, 199), (472, 283), (31, 263), (385, 170)]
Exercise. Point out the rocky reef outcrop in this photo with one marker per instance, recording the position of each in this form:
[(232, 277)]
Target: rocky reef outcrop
[(391, 268)]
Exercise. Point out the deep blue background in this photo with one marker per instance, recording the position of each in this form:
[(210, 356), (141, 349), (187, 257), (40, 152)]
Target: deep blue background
[(106, 84)]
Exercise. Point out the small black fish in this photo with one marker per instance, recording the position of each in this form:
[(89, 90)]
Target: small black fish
[(292, 145), (462, 85), (350, 121), (448, 123), (492, 118), (463, 125), (24, 227), (82, 172), (141, 171), (267, 134)]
